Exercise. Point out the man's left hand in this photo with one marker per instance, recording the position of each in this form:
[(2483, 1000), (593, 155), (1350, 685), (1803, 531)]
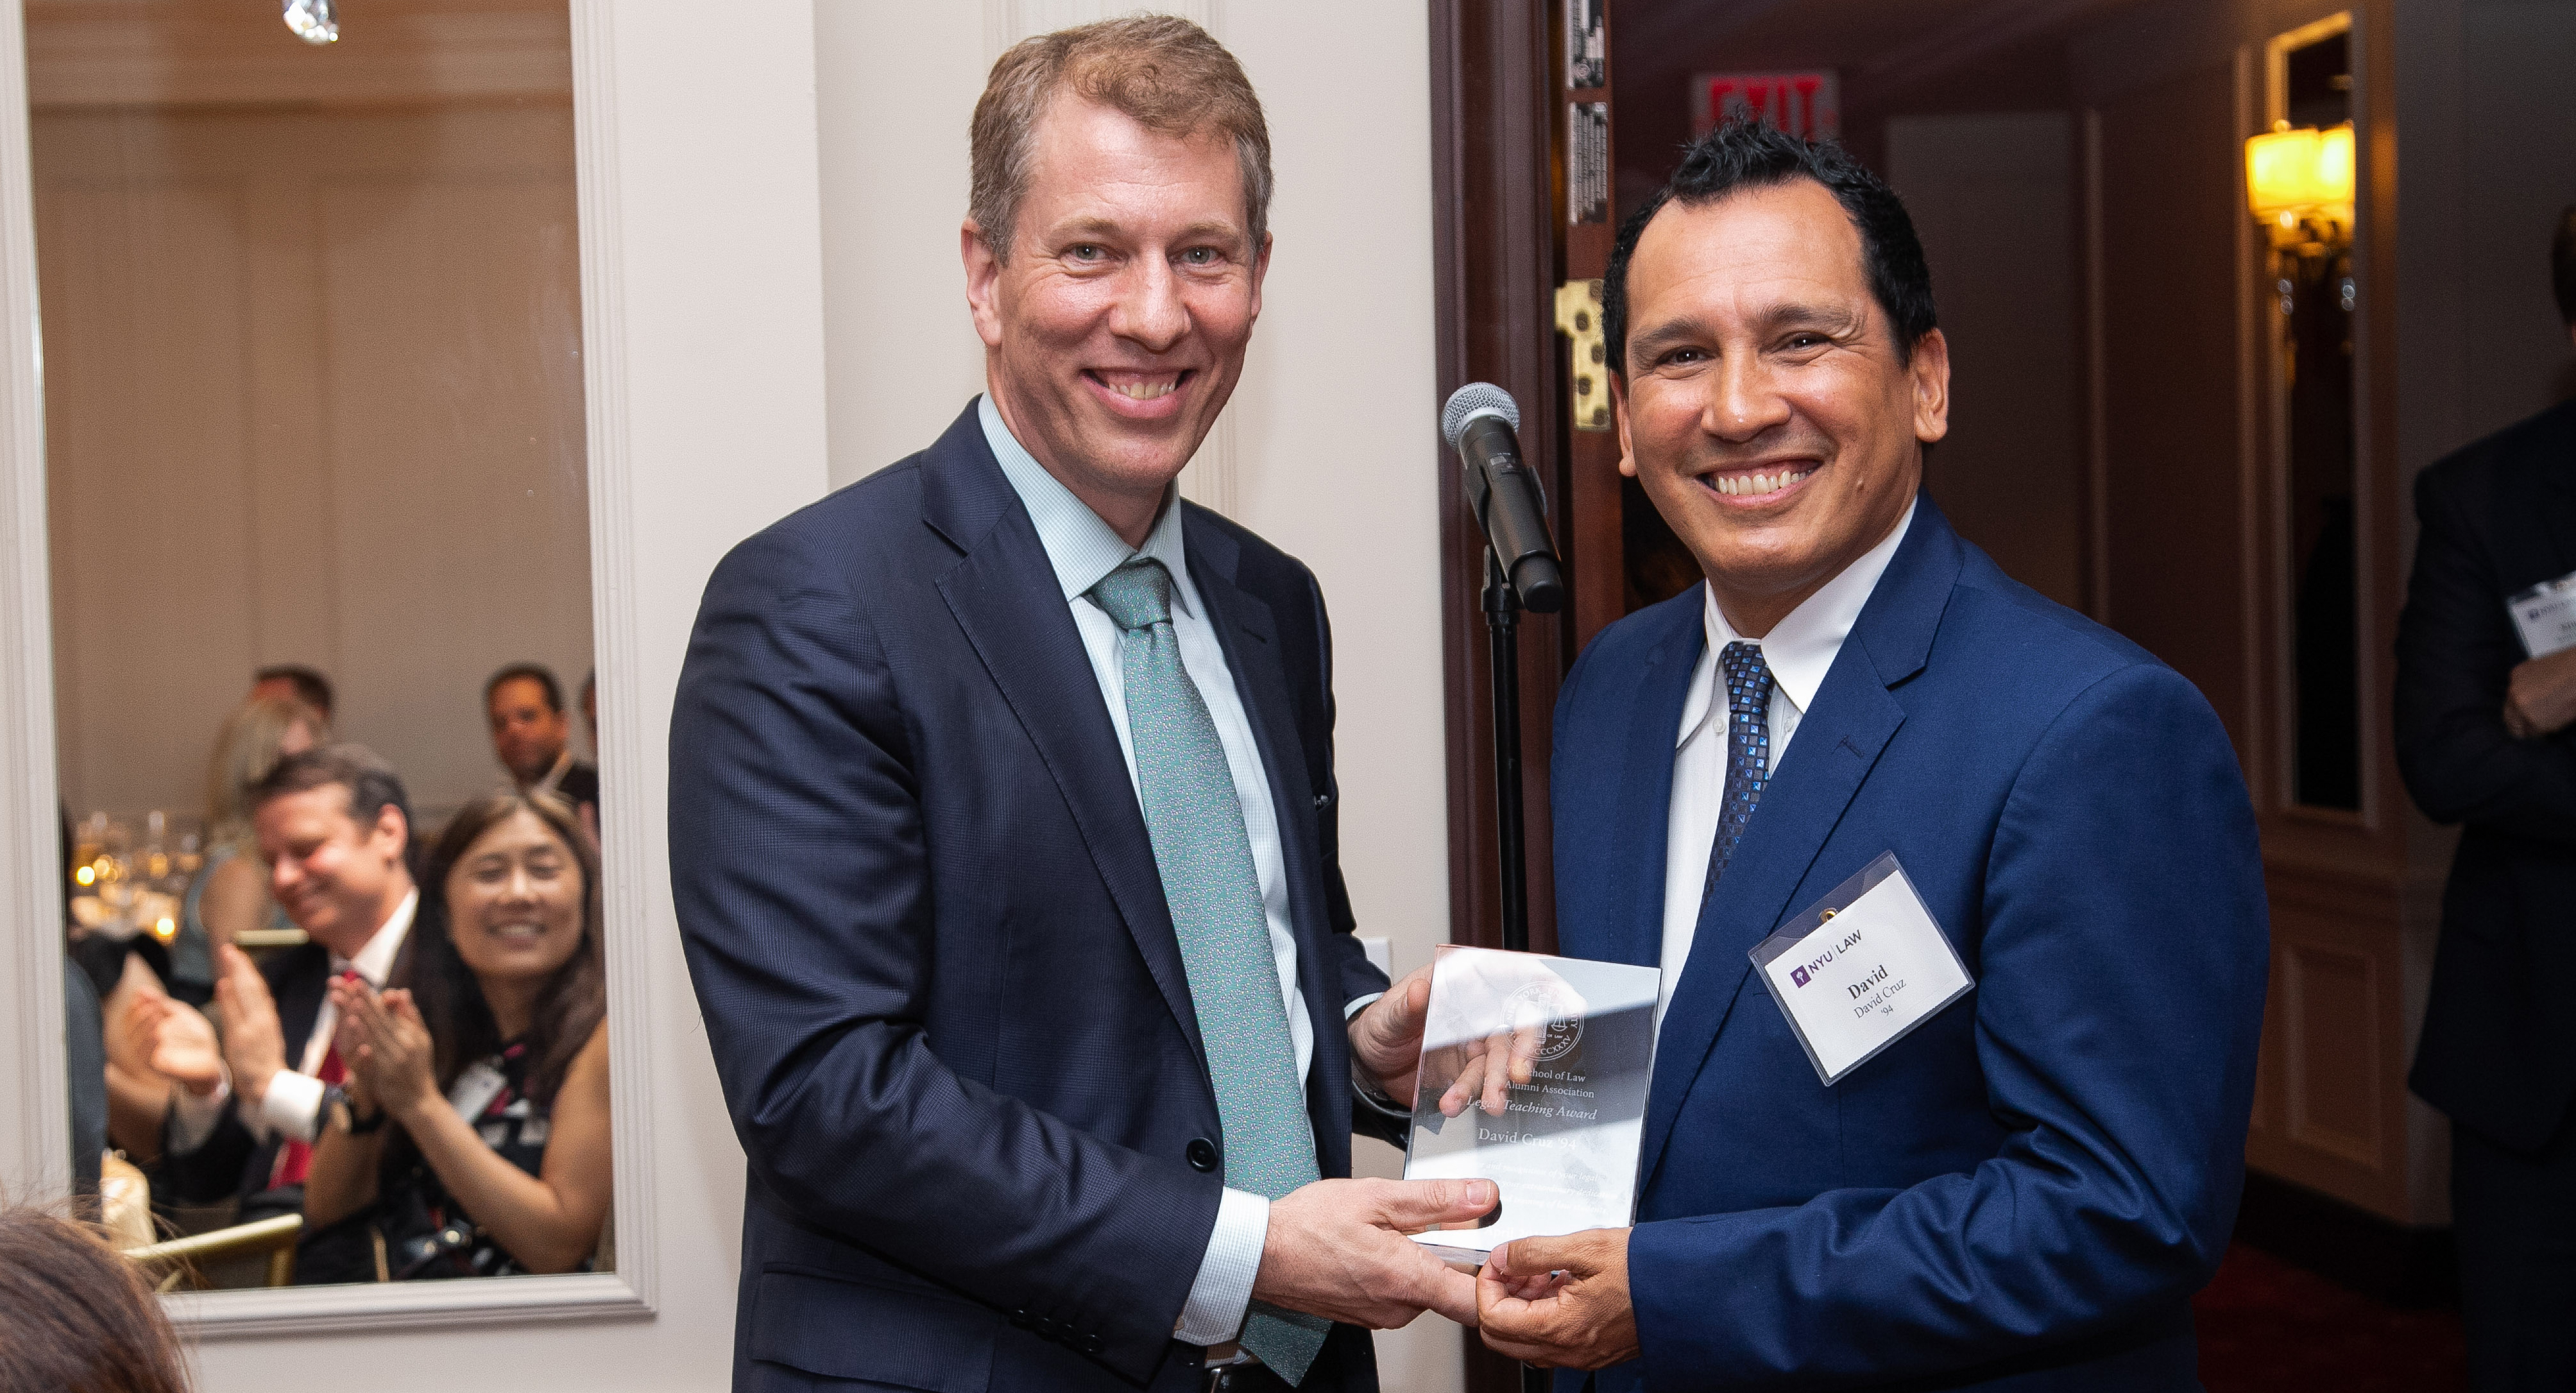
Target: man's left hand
[(1559, 1303), (1386, 1037), (2540, 697)]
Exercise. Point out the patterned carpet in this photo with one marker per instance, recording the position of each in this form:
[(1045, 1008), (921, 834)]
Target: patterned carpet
[(2269, 1327)]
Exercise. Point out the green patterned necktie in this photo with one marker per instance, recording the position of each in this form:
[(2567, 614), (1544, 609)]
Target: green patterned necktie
[(1205, 857)]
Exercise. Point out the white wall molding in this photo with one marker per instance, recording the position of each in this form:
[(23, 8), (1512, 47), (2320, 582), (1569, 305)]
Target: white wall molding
[(38, 1152)]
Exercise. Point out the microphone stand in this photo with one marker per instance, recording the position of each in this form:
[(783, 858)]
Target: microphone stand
[(1503, 656)]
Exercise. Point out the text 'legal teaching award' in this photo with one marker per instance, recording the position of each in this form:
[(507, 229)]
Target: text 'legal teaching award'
[(1574, 1042)]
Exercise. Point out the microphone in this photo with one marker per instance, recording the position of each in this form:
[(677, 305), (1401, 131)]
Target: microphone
[(1482, 423)]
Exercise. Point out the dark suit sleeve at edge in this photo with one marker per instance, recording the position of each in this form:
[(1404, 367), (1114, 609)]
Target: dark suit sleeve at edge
[(2456, 649), (2119, 998), (799, 873)]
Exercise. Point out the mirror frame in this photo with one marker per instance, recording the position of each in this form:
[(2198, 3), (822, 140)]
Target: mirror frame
[(766, 404)]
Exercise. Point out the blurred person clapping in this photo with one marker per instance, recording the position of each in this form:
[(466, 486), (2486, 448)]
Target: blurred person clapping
[(492, 1068)]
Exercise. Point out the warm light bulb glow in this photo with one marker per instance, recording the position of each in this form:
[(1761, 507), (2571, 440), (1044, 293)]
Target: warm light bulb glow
[(84, 876), (2289, 173), (165, 929), (2334, 164)]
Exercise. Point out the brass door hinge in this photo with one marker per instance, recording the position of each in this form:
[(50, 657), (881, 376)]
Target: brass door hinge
[(1578, 317)]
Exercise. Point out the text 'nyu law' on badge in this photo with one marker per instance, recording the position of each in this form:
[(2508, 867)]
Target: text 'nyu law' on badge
[(1860, 968)]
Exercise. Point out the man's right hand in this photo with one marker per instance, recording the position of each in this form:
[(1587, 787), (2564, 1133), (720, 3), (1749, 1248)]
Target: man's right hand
[(1337, 1249), (2540, 698), (254, 1042)]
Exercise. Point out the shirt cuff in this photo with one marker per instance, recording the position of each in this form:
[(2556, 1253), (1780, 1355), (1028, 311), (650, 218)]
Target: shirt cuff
[(1214, 1313), (193, 1118), (1359, 1004), (292, 1106)]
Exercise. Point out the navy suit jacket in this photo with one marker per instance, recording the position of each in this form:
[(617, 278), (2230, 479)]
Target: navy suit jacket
[(924, 924), (2024, 1192)]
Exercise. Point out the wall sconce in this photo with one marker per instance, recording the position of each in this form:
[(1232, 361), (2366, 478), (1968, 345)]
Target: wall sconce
[(2299, 185)]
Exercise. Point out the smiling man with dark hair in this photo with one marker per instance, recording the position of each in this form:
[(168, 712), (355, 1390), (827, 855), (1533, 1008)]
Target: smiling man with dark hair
[(2019, 1186)]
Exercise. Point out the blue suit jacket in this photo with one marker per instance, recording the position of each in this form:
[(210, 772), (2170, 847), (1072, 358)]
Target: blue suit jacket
[(2025, 1192), (930, 944)]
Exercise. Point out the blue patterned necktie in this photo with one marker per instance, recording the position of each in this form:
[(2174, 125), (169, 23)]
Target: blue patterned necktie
[(1195, 820), (1748, 750)]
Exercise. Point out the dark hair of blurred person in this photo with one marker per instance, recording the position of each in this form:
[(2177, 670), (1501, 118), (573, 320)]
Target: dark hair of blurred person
[(77, 1318), (295, 682), (493, 1065)]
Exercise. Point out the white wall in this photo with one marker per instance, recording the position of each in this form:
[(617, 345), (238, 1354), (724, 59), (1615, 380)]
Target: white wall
[(1320, 450)]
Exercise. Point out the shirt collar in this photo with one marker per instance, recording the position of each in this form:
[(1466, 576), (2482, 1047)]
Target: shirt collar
[(1079, 545), (375, 962), (1801, 648)]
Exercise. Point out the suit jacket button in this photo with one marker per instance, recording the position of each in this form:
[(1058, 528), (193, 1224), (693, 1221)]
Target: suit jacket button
[(1202, 1154), (1093, 1344), (1020, 1318)]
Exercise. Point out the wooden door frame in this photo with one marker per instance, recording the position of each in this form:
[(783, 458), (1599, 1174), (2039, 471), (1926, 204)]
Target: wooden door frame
[(1495, 265)]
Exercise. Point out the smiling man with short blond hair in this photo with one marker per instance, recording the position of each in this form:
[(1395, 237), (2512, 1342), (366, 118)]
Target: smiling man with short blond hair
[(1004, 830)]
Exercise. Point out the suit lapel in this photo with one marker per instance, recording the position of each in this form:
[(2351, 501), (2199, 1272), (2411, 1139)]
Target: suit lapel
[(1836, 745), (1646, 789), (1005, 597)]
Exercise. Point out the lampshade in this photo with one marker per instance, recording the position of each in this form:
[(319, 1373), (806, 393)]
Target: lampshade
[(2289, 172)]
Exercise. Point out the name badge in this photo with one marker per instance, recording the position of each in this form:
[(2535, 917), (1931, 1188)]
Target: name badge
[(1860, 968), (475, 1089), (2545, 615)]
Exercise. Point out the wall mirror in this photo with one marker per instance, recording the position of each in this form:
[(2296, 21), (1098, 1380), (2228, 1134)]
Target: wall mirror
[(2301, 184), (318, 530)]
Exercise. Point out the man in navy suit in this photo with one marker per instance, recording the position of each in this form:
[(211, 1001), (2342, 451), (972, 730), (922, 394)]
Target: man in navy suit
[(2025, 1190), (1004, 831)]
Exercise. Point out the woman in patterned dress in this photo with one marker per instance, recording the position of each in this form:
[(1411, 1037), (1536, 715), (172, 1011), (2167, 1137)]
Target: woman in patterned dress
[(492, 1070)]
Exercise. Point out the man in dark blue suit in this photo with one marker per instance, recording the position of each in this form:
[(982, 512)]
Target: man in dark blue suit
[(2025, 1190), (1004, 831)]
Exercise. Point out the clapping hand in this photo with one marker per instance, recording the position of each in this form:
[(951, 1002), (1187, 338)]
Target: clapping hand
[(254, 1043), (178, 1043), (386, 1045)]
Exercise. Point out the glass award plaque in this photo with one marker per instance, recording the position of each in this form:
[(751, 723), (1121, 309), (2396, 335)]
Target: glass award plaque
[(1534, 1076)]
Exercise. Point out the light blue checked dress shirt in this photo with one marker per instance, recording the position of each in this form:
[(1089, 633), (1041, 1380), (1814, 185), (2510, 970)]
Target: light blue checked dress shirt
[(1082, 549)]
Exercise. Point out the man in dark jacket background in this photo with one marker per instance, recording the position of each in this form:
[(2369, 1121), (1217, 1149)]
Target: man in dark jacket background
[(2486, 737)]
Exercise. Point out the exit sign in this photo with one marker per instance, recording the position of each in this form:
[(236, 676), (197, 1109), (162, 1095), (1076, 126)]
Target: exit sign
[(1808, 105)]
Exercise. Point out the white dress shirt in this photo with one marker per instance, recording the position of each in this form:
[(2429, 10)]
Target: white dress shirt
[(1083, 549), (1799, 650), (292, 1107)]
